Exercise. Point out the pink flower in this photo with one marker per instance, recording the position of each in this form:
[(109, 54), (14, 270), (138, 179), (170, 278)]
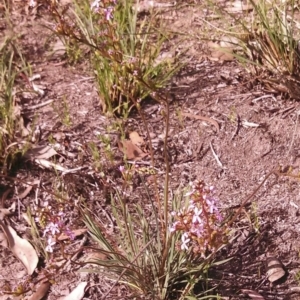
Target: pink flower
[(108, 13), (53, 228), (173, 228), (50, 244), (185, 240), (32, 3), (95, 5), (196, 217), (211, 204), (197, 230)]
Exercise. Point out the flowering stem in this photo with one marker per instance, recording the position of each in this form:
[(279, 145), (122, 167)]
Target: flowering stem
[(166, 187), (152, 159), (207, 223)]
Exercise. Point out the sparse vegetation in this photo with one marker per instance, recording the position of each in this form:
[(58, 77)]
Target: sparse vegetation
[(145, 233), (153, 260), (265, 37), (12, 65), (127, 67)]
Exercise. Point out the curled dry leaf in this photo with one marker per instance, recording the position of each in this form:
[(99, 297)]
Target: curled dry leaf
[(41, 291), (136, 139), (27, 190), (130, 150), (253, 295), (76, 232), (77, 293), (39, 89), (21, 248), (275, 270)]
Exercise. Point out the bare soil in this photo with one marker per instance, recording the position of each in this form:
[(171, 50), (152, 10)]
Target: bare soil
[(258, 131)]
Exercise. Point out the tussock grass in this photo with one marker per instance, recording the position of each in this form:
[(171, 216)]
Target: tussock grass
[(12, 63), (267, 42), (123, 49)]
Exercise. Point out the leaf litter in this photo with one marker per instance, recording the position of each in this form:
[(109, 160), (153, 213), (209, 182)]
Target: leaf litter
[(77, 293), (132, 149), (41, 291), (21, 248)]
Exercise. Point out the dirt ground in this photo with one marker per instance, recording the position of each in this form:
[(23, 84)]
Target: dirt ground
[(256, 131)]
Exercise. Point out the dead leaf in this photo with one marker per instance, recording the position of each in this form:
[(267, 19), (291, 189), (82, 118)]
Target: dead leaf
[(77, 293), (28, 189), (59, 49), (219, 53), (136, 139), (50, 165), (246, 124), (35, 77), (40, 152), (21, 248), (253, 295), (3, 240), (222, 54), (38, 88), (229, 42), (275, 269), (130, 150), (41, 291), (76, 232), (4, 212)]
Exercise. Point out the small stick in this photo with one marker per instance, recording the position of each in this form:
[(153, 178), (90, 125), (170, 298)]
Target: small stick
[(31, 107), (202, 118), (215, 156)]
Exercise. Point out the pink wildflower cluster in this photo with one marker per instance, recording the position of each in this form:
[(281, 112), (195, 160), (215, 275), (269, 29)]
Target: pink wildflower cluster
[(104, 7), (53, 225), (200, 222)]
